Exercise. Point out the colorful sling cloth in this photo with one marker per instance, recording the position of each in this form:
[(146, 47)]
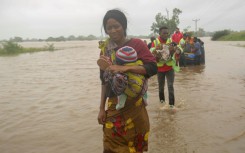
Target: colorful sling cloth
[(126, 130)]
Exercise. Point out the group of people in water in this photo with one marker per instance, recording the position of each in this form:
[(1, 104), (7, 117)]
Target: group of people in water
[(125, 66), (192, 46)]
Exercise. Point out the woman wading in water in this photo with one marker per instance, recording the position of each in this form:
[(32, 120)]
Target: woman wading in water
[(125, 130)]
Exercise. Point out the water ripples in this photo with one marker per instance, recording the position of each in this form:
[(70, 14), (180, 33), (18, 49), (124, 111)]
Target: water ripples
[(50, 100)]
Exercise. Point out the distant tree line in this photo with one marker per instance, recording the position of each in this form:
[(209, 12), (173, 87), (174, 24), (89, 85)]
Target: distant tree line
[(61, 38), (160, 20), (72, 38)]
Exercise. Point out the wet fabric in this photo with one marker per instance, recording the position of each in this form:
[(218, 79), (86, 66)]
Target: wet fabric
[(149, 62), (170, 85), (127, 130)]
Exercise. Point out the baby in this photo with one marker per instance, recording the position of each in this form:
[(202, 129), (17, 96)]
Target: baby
[(125, 85), (137, 84)]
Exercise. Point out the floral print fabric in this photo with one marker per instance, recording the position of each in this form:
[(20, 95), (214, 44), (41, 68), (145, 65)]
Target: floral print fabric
[(126, 130)]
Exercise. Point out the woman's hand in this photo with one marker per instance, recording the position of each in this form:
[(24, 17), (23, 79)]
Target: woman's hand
[(102, 116), (138, 69)]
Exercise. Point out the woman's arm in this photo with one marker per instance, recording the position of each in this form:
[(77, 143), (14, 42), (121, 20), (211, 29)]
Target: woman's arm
[(103, 97), (148, 69), (102, 114), (127, 68)]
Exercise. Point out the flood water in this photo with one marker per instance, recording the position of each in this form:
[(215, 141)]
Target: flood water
[(49, 102)]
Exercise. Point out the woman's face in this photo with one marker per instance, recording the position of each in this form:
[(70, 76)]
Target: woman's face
[(115, 30)]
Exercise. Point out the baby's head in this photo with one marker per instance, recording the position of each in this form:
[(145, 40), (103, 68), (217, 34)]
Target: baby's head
[(126, 54)]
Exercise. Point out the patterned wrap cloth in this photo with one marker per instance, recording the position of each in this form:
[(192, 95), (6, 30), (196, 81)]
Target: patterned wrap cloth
[(126, 130)]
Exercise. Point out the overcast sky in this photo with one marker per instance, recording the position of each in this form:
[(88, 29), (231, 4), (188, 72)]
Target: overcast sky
[(45, 18)]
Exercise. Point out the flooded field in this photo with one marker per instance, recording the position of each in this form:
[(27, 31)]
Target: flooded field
[(50, 101)]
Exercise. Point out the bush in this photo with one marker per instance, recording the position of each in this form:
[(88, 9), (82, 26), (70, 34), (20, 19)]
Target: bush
[(219, 34), (234, 36), (49, 47), (10, 47)]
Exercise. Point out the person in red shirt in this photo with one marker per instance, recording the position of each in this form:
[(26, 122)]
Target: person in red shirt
[(177, 36), (166, 69)]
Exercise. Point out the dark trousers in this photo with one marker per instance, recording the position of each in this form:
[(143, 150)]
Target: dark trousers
[(170, 82), (198, 59), (182, 60)]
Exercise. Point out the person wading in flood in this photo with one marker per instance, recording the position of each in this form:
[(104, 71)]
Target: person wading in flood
[(166, 69), (125, 130)]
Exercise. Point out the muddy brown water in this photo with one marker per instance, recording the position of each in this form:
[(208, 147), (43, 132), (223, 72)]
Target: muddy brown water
[(49, 102)]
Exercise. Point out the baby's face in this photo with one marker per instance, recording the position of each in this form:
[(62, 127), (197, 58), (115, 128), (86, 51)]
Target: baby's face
[(171, 48)]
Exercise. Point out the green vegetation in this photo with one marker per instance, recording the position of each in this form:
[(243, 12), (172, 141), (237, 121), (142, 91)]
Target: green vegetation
[(61, 38), (234, 36), (162, 20), (12, 48), (227, 35), (172, 22), (72, 38), (218, 34), (49, 47)]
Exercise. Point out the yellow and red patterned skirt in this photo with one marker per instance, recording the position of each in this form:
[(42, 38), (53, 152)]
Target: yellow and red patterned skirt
[(126, 130)]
